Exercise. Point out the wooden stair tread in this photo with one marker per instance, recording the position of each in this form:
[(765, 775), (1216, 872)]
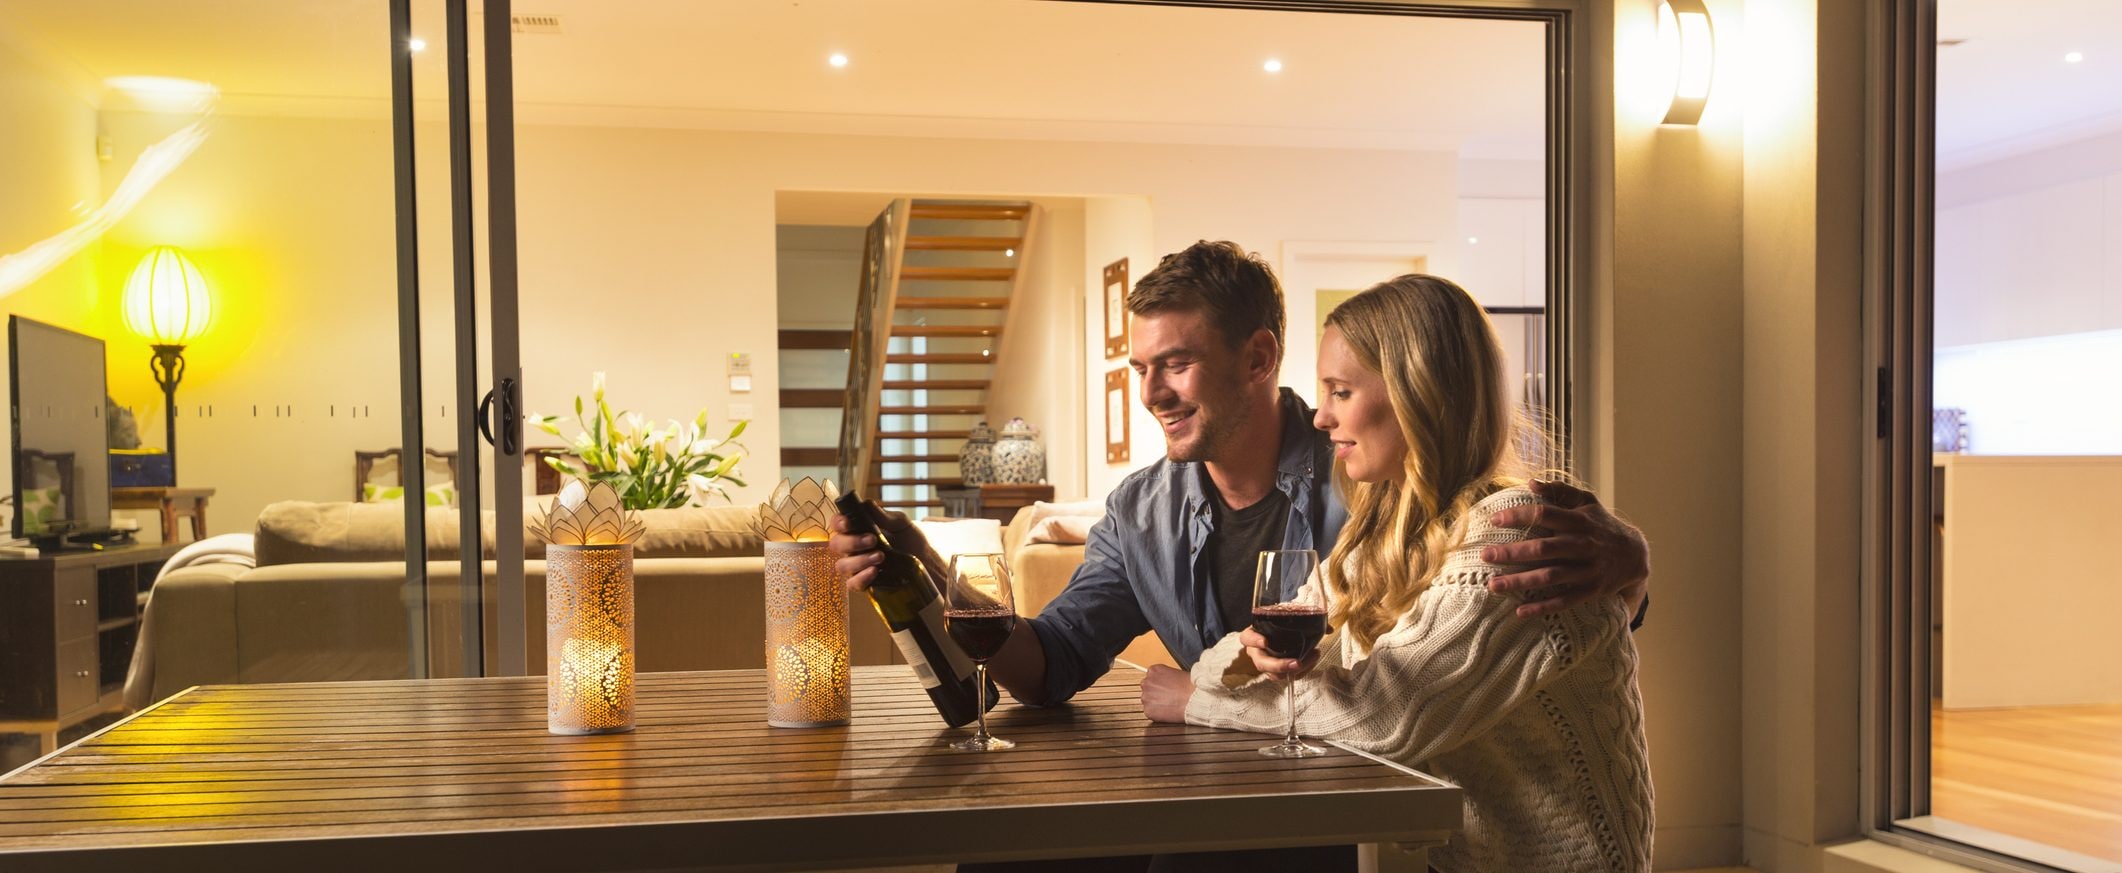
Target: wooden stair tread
[(935, 409), (962, 243), (965, 274), (810, 457), (972, 211), (939, 359), (913, 459), (813, 398), (896, 504), (972, 330), (953, 303), (923, 434), (932, 482), (935, 384), (829, 340)]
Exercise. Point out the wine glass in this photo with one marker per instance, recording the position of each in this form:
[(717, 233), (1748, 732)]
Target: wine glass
[(1293, 619), (979, 612)]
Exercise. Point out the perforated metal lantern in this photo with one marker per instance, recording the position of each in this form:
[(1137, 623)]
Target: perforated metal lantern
[(807, 676), (589, 638), (589, 611)]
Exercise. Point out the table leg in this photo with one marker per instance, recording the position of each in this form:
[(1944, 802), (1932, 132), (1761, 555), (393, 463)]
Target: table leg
[(47, 742), (198, 519), (169, 520)]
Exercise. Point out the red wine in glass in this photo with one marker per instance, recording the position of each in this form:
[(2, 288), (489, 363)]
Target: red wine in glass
[(1292, 630), (979, 611), (981, 632), (1289, 609)]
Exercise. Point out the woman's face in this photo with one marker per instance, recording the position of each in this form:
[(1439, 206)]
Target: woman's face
[(1356, 414)]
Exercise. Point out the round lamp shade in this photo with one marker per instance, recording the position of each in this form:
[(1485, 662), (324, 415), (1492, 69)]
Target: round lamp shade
[(166, 299)]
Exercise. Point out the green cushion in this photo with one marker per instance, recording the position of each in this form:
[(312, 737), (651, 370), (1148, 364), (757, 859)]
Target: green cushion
[(438, 494)]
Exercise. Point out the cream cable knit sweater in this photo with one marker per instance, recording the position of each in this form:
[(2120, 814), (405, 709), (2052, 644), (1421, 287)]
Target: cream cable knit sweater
[(1537, 719)]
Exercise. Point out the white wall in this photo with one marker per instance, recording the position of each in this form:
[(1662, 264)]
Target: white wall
[(2029, 298), (1114, 228), (1038, 349), (48, 173)]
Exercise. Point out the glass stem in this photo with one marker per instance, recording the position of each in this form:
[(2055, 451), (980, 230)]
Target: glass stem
[(980, 696), (1291, 684)]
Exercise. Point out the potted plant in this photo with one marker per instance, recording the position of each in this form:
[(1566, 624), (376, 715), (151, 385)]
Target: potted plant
[(651, 467)]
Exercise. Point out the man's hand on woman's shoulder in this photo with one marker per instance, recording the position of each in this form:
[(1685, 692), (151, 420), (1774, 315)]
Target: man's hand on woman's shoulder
[(1585, 551)]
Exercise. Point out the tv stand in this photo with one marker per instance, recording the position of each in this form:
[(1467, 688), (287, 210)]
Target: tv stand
[(68, 634)]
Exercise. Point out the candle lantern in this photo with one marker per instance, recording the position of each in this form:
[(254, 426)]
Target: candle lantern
[(589, 611), (806, 610)]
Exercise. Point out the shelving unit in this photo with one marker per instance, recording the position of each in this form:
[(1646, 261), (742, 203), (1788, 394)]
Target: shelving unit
[(68, 625)]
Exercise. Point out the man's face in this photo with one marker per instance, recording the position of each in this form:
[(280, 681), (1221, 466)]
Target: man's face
[(1193, 381)]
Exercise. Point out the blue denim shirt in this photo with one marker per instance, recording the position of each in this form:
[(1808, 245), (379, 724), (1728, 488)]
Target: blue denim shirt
[(1145, 566)]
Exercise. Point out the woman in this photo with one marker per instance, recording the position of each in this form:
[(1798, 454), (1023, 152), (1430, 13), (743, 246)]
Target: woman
[(1537, 719)]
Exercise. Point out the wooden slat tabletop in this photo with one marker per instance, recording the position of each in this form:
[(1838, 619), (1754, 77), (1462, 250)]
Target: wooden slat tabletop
[(461, 774)]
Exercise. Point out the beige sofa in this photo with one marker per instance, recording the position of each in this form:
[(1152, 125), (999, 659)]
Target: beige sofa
[(329, 600), (1040, 570)]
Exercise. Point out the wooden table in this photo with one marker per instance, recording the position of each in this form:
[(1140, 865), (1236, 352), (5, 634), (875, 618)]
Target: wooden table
[(461, 774), (167, 500)]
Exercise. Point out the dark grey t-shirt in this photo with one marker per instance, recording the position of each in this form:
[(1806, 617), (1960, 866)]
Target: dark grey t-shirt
[(1234, 549)]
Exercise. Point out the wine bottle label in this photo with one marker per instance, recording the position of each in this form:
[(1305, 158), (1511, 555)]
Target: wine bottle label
[(911, 648), (961, 666)]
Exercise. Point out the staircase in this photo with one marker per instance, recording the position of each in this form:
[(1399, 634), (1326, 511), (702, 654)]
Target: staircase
[(937, 280)]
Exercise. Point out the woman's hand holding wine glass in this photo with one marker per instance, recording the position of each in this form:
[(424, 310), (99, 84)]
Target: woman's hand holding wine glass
[(1289, 619)]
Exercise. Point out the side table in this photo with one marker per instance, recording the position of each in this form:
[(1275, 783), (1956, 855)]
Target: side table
[(171, 502), (1001, 502)]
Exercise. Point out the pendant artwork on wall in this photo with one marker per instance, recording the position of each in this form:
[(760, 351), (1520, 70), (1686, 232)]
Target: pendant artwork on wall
[(1116, 416), (1116, 309)]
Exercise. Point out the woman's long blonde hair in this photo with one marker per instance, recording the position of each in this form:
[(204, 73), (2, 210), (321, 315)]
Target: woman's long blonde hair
[(1444, 373)]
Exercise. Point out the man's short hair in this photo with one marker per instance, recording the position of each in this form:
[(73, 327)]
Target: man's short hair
[(1233, 287)]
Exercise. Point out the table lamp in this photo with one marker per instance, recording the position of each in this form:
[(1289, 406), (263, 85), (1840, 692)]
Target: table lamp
[(167, 304)]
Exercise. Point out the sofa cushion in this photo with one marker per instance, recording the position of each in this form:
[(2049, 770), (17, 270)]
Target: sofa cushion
[(300, 532)]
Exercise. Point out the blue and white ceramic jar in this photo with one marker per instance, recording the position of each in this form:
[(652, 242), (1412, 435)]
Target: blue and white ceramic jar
[(976, 459), (1019, 458)]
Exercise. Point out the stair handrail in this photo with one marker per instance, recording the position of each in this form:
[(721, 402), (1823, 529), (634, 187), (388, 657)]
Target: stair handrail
[(868, 343)]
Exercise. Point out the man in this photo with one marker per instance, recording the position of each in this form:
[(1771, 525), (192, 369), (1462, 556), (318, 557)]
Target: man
[(1244, 471)]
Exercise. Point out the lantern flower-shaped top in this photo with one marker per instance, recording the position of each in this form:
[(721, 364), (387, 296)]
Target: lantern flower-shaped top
[(798, 512), (589, 515)]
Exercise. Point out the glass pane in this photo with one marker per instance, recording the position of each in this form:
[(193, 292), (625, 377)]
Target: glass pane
[(696, 226), (2026, 724), (254, 138)]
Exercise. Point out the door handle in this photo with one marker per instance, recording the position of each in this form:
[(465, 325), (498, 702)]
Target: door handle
[(499, 405)]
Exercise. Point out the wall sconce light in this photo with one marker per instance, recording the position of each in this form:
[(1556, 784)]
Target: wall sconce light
[(1688, 45), (807, 682), (167, 304)]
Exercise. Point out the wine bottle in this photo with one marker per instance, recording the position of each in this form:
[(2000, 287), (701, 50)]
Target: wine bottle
[(907, 600)]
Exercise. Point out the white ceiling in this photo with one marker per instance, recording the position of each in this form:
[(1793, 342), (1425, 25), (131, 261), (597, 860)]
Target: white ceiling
[(1001, 68), (2007, 89)]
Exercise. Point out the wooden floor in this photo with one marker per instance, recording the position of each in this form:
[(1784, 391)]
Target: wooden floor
[(2048, 774)]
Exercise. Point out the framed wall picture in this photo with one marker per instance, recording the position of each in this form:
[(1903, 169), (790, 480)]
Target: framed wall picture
[(1116, 416), (1116, 309)]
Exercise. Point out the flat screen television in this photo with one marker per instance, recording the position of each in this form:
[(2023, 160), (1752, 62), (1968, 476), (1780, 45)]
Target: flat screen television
[(62, 483)]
